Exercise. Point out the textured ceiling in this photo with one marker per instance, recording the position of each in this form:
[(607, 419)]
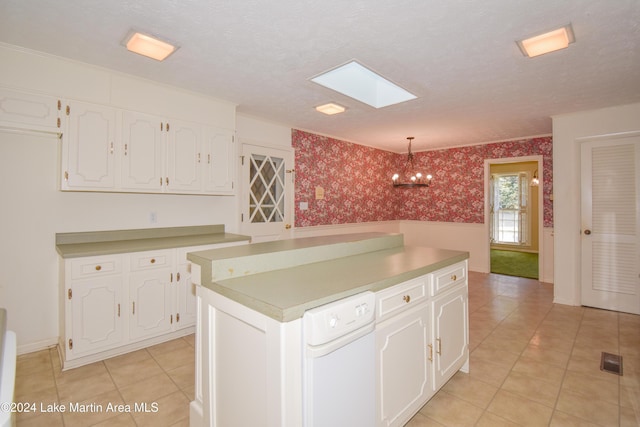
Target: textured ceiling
[(458, 56)]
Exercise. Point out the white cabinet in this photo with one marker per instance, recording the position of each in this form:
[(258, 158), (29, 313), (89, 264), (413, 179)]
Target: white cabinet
[(219, 161), (88, 149), (184, 157), (109, 149), (151, 298), (29, 111), (94, 303), (112, 304), (422, 337), (450, 334), (143, 152), (404, 375)]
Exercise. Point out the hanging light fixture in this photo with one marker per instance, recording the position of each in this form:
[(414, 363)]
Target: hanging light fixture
[(416, 179)]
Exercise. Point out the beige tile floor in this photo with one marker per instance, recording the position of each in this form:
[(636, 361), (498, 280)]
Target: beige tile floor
[(533, 363), (161, 375)]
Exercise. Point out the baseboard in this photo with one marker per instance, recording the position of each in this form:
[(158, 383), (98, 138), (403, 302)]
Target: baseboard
[(37, 346)]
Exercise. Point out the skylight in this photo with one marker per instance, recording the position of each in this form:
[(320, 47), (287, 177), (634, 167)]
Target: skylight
[(362, 84)]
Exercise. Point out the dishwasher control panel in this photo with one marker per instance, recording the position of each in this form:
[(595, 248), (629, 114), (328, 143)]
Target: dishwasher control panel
[(328, 322)]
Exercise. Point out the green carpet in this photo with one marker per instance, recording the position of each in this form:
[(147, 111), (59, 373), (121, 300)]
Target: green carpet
[(512, 263)]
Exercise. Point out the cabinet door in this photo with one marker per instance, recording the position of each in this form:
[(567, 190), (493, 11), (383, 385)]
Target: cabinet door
[(142, 152), (403, 368), (88, 160), (184, 157), (96, 312), (150, 311), (186, 309), (450, 334), (21, 110), (219, 161)]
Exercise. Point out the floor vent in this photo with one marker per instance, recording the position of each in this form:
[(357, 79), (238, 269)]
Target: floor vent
[(611, 363)]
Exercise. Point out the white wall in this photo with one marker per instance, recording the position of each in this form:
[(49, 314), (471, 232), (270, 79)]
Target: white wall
[(472, 238), (568, 130), (255, 131), (33, 210)]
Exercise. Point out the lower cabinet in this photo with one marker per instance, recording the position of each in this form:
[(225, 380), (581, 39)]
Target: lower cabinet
[(95, 306), (117, 303), (422, 340), (404, 376), (450, 334)]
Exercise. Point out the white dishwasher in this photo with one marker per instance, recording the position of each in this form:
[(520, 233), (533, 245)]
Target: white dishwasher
[(339, 363)]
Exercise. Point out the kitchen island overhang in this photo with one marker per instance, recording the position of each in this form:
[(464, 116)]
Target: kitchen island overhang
[(252, 298)]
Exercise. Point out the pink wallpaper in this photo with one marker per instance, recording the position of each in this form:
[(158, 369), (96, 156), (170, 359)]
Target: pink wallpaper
[(358, 187)]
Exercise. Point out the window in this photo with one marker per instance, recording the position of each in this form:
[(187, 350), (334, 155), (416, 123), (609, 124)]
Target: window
[(510, 218)]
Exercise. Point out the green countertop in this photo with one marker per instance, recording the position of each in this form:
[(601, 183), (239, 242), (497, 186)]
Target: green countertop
[(81, 244), (283, 279)]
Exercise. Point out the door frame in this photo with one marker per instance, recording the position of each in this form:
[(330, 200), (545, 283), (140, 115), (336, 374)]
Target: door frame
[(487, 216), (580, 142), (289, 190)]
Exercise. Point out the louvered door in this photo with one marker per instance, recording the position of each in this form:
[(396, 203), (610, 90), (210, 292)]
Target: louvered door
[(609, 229)]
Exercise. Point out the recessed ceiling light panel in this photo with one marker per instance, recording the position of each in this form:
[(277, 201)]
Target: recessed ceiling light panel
[(547, 42), (362, 84), (331, 108), (148, 46)]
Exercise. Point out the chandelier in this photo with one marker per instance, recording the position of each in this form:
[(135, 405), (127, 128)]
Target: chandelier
[(416, 179)]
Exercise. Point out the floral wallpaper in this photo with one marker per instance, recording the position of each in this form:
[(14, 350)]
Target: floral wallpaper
[(357, 181)]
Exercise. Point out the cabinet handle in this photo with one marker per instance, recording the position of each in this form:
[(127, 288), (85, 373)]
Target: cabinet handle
[(126, 149), (172, 319), (198, 158), (167, 126), (161, 126), (178, 276), (153, 261), (111, 148), (177, 317), (439, 351), (98, 267), (406, 298), (167, 181), (134, 308), (171, 278), (70, 344), (454, 277), (118, 310), (430, 352), (209, 158), (160, 181)]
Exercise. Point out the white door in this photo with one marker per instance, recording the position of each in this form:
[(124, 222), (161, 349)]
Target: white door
[(609, 230), (267, 176)]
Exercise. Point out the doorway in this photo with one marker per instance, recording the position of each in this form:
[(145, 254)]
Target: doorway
[(513, 216)]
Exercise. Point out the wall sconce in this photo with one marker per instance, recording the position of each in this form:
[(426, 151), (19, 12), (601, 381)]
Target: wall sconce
[(535, 181)]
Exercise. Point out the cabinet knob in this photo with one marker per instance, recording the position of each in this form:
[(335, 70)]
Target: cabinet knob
[(406, 298), (153, 261), (454, 277), (587, 232), (98, 267)]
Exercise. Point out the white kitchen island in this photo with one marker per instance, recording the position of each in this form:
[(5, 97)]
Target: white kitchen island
[(249, 333)]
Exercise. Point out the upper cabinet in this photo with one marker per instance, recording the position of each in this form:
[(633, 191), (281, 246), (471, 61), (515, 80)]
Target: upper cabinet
[(109, 149), (89, 145), (21, 110)]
